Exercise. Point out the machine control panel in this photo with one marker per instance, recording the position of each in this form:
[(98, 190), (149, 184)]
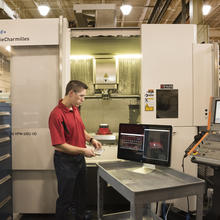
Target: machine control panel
[(208, 151)]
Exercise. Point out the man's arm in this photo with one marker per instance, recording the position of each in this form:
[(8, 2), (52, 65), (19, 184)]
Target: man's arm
[(94, 142), (70, 149)]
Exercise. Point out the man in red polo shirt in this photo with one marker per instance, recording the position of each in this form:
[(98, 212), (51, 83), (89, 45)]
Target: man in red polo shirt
[(68, 136)]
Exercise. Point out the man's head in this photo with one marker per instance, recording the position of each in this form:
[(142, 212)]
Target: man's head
[(75, 86), (76, 91)]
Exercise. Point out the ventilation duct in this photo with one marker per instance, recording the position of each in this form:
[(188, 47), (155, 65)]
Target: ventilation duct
[(105, 18), (103, 15)]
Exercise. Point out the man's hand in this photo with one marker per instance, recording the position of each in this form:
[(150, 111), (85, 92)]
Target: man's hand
[(96, 144), (89, 152)]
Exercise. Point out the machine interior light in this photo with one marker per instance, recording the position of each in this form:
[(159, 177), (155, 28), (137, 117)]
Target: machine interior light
[(81, 57), (126, 9), (43, 9), (128, 56), (206, 9)]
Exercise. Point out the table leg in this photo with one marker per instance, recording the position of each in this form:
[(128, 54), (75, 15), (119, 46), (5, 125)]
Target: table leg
[(100, 197), (136, 211), (199, 207)]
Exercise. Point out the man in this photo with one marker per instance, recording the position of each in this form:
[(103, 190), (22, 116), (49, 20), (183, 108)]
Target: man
[(68, 136)]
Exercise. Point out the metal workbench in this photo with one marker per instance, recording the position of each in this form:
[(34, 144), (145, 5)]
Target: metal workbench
[(140, 186)]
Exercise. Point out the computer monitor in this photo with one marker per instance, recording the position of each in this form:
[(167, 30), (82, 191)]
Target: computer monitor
[(145, 143), (215, 113)]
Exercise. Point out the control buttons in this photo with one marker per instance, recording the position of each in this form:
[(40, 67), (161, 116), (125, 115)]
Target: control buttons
[(195, 152)]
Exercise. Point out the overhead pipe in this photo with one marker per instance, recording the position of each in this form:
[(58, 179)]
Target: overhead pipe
[(163, 10), (153, 14), (12, 14), (179, 18), (158, 12), (183, 13)]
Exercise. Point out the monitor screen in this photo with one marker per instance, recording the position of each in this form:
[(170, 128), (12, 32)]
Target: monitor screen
[(217, 112), (145, 143)]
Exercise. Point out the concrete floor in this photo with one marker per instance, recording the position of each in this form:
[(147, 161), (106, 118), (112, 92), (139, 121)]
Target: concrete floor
[(47, 216), (37, 217)]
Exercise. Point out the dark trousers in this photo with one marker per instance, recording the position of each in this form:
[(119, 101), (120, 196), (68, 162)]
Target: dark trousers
[(71, 178)]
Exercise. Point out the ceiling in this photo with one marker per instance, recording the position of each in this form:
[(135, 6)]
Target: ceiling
[(144, 11)]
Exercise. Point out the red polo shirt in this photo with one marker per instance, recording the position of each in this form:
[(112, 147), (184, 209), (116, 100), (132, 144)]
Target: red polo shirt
[(66, 126)]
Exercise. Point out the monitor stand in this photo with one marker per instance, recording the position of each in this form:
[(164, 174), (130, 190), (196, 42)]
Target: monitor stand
[(149, 166), (146, 168)]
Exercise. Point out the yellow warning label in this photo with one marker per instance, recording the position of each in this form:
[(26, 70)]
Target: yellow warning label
[(149, 108)]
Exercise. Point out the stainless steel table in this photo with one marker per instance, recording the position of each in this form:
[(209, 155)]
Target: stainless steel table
[(141, 185)]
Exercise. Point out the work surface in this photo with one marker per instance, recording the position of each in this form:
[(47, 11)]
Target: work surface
[(139, 178), (141, 185)]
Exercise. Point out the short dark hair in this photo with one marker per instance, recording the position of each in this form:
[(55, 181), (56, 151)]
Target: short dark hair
[(75, 85)]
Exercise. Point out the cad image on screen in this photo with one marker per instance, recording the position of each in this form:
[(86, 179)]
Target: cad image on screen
[(217, 112), (156, 144), (131, 141), (145, 143)]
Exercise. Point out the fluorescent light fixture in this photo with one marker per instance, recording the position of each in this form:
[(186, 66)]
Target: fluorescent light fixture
[(8, 48), (206, 9), (81, 57), (126, 9), (128, 56), (43, 9)]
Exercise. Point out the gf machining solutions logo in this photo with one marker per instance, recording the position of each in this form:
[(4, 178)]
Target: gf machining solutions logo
[(4, 38)]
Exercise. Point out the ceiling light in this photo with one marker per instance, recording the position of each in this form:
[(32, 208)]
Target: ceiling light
[(43, 9), (206, 9), (126, 9)]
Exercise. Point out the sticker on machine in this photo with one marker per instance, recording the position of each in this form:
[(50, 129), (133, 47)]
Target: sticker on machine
[(149, 100)]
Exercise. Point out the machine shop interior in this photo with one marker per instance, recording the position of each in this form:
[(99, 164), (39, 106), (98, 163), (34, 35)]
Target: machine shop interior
[(153, 102)]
